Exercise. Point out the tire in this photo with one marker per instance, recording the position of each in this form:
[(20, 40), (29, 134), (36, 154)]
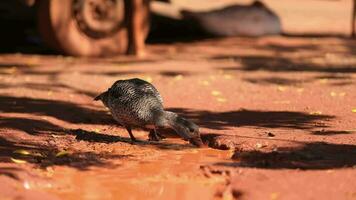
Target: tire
[(84, 27)]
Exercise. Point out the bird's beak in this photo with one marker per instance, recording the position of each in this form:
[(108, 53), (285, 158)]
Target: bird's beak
[(196, 141)]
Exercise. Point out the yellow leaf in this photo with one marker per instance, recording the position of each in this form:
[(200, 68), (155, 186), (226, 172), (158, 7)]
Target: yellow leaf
[(148, 79), (316, 113), (205, 83), (300, 90), (281, 88), (215, 93), (351, 130), (222, 100), (333, 94), (259, 145), (62, 153), (323, 80), (22, 152), (227, 76), (354, 110), (341, 94), (18, 161), (178, 77)]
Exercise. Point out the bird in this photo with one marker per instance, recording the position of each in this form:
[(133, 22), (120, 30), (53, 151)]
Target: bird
[(136, 103)]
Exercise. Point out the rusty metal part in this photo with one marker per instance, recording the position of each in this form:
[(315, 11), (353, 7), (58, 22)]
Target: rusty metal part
[(98, 18)]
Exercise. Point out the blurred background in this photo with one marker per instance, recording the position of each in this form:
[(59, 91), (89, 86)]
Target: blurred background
[(20, 20)]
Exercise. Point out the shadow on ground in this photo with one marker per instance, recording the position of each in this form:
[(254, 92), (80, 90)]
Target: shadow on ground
[(61, 110), (255, 118), (45, 155), (315, 155), (279, 64)]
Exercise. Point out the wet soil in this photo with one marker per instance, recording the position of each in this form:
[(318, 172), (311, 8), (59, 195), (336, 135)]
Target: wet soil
[(277, 115)]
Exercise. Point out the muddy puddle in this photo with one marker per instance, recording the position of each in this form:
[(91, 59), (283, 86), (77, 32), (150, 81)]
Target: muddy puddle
[(161, 174)]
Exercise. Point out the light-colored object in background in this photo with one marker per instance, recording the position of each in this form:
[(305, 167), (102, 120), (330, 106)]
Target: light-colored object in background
[(237, 20)]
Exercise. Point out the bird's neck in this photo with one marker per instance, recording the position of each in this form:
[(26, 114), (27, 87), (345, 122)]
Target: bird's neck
[(167, 119)]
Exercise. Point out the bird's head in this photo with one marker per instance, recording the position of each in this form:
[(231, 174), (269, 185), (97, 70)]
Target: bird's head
[(185, 128)]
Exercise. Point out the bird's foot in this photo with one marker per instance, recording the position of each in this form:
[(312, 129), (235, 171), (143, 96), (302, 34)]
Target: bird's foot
[(133, 140), (154, 137)]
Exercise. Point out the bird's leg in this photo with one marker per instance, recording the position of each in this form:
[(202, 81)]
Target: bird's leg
[(133, 139), (160, 135), (153, 136)]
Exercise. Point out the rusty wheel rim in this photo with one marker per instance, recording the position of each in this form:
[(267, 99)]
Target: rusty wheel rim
[(98, 18)]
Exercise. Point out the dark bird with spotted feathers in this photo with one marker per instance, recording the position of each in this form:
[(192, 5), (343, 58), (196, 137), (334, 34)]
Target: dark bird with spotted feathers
[(135, 103)]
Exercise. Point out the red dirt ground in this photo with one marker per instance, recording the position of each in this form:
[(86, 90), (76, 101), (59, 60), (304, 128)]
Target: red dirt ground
[(277, 115), (284, 107)]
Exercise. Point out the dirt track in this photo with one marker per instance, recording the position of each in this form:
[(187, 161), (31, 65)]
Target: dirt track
[(284, 107)]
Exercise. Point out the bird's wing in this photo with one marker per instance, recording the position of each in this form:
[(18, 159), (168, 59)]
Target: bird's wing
[(149, 89)]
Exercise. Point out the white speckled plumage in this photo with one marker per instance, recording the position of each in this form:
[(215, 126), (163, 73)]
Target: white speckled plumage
[(137, 103)]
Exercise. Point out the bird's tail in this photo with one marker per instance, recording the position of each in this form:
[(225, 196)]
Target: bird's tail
[(100, 96)]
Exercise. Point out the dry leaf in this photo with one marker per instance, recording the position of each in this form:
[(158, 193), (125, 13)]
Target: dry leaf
[(281, 88), (259, 145), (323, 80), (148, 79), (62, 153), (178, 77), (18, 161), (300, 90), (205, 83), (26, 185), (341, 94), (227, 76), (353, 110), (316, 113), (222, 100), (215, 93), (22, 152), (333, 94)]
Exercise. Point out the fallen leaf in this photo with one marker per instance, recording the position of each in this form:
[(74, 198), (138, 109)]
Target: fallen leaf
[(227, 76), (333, 94), (281, 88), (178, 77), (316, 113), (205, 83), (22, 152), (18, 161), (351, 130), (323, 80), (353, 110), (215, 93), (300, 90), (259, 145), (148, 79), (222, 100), (341, 94), (26, 185), (62, 153)]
